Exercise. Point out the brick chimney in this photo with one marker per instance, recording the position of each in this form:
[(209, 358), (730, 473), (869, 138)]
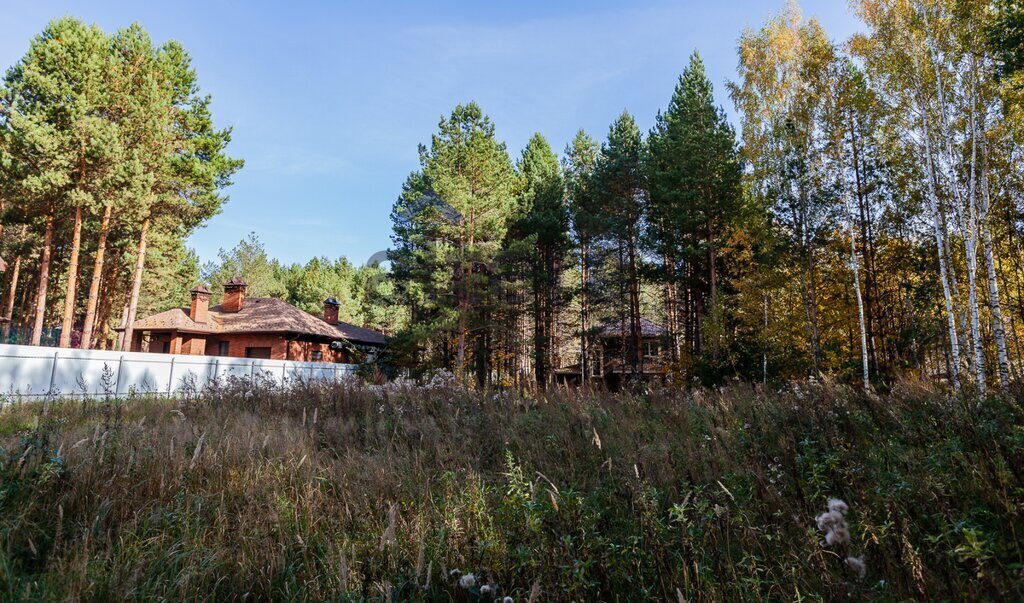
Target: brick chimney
[(331, 306), (200, 310), (234, 294)]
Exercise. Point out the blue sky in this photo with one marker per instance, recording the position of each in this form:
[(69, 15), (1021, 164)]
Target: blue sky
[(328, 100)]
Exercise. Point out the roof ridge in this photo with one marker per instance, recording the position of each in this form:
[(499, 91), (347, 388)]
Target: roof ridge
[(256, 316)]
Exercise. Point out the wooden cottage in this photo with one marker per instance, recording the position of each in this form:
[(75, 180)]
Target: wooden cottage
[(610, 361)]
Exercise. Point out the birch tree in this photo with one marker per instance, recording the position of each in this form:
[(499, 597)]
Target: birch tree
[(842, 103), (895, 55), (782, 86)]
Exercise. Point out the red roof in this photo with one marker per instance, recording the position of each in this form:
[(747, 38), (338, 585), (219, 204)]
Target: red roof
[(258, 315)]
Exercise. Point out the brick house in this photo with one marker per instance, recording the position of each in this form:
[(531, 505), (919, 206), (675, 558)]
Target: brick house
[(254, 327)]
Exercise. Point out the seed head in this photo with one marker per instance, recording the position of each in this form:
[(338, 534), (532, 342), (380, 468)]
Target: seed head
[(829, 520), (468, 581), (837, 506), (857, 565), (838, 535)]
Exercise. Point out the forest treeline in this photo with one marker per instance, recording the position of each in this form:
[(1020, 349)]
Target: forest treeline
[(860, 216), (365, 293), (864, 222)]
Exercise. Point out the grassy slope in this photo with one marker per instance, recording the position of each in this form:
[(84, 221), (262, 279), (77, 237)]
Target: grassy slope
[(316, 492)]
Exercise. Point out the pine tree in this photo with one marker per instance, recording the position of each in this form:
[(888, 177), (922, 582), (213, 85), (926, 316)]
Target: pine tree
[(182, 166), (621, 196), (541, 225), (694, 174), (56, 142), (450, 224), (578, 166)]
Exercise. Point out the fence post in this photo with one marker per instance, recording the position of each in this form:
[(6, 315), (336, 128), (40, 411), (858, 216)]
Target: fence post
[(170, 378), (53, 375), (252, 372), (117, 382), (284, 373)]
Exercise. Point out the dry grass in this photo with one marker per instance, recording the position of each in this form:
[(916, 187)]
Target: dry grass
[(374, 493)]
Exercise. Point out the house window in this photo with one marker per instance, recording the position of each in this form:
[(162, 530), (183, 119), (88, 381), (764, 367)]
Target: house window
[(317, 356), (223, 348), (166, 347), (257, 353), (651, 349)]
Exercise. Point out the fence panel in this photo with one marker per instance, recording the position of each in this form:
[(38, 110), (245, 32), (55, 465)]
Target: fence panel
[(35, 372)]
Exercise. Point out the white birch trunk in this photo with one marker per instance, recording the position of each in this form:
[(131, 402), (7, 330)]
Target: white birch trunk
[(933, 206), (970, 230), (764, 353), (938, 227), (855, 268), (998, 329), (964, 206)]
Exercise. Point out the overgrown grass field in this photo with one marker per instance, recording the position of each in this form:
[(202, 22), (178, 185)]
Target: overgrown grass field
[(373, 493)]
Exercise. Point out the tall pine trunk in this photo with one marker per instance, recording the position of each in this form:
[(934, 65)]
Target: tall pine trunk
[(9, 310), (714, 310), (108, 290), (12, 292), (548, 295), (44, 280), (713, 267), (97, 277), (584, 310), (622, 309), (539, 322), (671, 320), (133, 300), (70, 292), (460, 354), (634, 306)]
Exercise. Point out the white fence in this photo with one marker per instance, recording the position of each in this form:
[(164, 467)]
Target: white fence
[(29, 371)]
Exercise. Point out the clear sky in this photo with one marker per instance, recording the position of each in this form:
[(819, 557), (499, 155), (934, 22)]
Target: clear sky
[(329, 100)]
